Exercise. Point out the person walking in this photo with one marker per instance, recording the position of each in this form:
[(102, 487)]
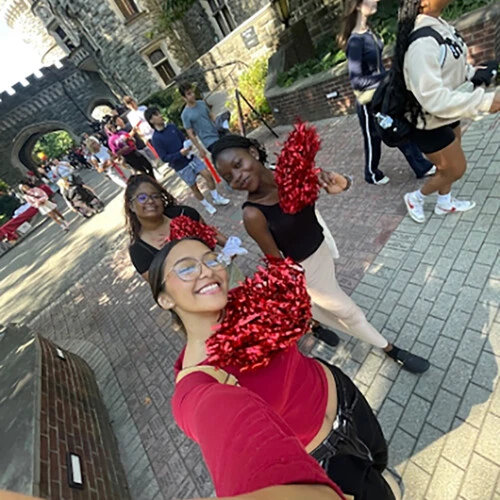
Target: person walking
[(300, 236), (198, 121), (366, 70), (292, 413), (139, 124), (62, 169), (170, 144), (103, 162), (434, 79), (39, 199), (122, 144)]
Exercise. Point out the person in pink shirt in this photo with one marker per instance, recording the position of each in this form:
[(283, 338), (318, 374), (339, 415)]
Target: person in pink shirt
[(39, 199), (122, 144)]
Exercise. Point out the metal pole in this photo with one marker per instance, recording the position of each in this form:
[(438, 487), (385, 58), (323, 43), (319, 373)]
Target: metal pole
[(261, 118), (240, 113)]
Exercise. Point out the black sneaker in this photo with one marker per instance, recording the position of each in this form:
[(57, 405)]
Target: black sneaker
[(410, 362), (327, 336)]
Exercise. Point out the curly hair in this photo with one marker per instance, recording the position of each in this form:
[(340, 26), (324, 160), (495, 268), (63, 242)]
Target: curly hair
[(408, 12), (133, 223), (231, 141)]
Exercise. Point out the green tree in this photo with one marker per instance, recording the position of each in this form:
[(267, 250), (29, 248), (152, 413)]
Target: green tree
[(54, 144)]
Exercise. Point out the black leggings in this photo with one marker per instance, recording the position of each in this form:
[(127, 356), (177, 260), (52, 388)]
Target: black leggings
[(139, 163), (354, 454)]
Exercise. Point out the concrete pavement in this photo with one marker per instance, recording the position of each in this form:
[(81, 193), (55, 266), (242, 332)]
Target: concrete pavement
[(434, 288)]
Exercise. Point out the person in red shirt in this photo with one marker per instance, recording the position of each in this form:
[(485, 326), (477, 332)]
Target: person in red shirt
[(281, 430)]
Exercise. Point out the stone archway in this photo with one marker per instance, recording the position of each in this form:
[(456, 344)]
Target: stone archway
[(24, 142), (97, 102)]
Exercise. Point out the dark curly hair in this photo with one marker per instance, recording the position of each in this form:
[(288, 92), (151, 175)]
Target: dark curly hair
[(132, 221), (408, 12), (231, 141)]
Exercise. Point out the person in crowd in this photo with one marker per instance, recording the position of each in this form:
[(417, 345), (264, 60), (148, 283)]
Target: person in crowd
[(366, 70), (122, 144), (266, 424), (139, 124), (39, 199), (149, 209), (103, 162), (170, 144), (62, 168), (300, 237), (198, 121), (433, 79)]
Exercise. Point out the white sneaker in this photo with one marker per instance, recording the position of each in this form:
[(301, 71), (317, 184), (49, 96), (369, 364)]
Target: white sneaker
[(220, 200), (415, 207), (431, 171), (454, 206), (209, 208), (382, 181)]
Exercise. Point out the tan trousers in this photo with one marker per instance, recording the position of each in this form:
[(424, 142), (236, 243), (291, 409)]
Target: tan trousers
[(331, 306)]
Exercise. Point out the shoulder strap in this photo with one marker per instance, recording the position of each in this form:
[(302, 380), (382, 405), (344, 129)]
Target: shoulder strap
[(217, 373), (426, 32)]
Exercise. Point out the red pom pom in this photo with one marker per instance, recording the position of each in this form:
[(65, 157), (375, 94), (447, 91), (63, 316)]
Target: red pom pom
[(296, 175), (183, 227), (266, 314)]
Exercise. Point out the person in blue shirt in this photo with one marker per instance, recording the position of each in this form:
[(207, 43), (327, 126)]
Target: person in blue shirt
[(172, 147), (366, 70)]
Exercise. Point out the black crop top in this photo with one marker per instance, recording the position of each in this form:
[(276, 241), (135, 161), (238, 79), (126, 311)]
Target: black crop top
[(297, 236), (142, 253)]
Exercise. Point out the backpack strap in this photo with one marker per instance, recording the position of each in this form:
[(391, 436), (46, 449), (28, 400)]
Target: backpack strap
[(426, 32), (218, 374)]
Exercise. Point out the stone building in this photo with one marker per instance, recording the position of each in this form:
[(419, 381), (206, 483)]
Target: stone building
[(116, 45)]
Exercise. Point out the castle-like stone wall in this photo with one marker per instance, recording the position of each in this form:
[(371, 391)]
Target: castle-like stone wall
[(62, 98)]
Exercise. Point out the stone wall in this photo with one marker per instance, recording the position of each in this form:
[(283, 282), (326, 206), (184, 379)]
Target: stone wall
[(329, 94), (233, 49), (322, 16), (62, 98), (52, 407)]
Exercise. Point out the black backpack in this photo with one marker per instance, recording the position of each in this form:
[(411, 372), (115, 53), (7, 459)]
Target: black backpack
[(389, 112)]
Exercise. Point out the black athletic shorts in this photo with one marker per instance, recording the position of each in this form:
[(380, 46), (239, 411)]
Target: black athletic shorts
[(432, 141)]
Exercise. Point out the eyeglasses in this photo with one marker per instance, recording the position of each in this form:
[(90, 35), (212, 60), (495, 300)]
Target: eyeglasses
[(142, 198), (189, 268)]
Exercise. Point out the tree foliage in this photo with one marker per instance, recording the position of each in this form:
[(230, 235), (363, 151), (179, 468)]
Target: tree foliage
[(54, 144)]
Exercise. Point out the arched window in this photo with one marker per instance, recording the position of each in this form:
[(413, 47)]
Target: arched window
[(127, 7)]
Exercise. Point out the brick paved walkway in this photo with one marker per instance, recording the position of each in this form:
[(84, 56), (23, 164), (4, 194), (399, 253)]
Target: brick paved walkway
[(434, 288)]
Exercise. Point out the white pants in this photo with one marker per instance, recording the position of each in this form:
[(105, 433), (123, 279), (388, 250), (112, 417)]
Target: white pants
[(331, 305)]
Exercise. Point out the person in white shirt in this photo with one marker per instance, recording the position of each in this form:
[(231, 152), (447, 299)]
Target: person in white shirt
[(140, 126), (62, 168), (435, 71), (103, 161)]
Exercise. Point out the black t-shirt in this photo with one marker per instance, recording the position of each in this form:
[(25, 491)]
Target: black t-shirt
[(297, 236), (142, 253)]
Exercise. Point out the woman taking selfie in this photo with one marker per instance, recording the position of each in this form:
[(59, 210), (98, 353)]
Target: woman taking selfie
[(261, 419)]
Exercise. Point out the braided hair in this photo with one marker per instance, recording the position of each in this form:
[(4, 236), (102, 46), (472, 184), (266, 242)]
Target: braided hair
[(133, 223), (408, 12)]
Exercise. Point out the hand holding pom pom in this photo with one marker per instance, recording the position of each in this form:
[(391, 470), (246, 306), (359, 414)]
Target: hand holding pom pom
[(296, 175), (266, 314), (184, 227)]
